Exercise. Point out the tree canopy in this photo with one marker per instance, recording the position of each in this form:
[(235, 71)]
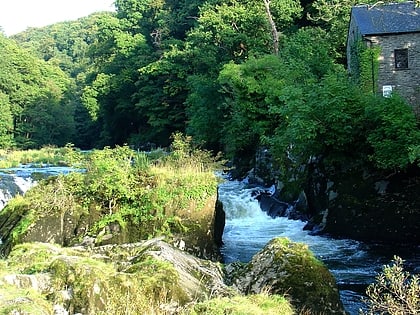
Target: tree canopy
[(235, 75)]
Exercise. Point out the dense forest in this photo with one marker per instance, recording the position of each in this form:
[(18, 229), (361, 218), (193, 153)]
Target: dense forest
[(235, 75)]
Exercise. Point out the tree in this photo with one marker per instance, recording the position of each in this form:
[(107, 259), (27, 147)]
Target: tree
[(255, 91), (69, 45), (29, 82), (6, 122), (227, 32), (392, 132)]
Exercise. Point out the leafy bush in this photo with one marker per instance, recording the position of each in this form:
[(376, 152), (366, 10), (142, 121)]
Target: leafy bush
[(391, 132), (395, 292)]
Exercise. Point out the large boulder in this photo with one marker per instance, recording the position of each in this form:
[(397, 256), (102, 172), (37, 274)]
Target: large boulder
[(138, 278), (286, 268), (22, 222)]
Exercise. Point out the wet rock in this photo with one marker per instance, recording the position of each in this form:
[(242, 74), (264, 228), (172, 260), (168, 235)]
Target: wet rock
[(286, 268), (272, 206), (374, 207)]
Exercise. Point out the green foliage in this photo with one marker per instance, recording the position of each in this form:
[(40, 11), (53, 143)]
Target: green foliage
[(35, 99), (125, 188), (369, 68), (261, 93), (6, 122), (260, 304), (109, 178), (395, 291), (157, 68), (45, 156), (392, 132), (320, 120)]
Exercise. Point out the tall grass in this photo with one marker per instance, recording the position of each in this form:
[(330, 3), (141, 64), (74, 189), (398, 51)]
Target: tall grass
[(46, 156)]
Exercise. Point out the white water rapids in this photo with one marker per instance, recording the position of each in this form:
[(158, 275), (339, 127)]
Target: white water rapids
[(18, 180), (354, 264)]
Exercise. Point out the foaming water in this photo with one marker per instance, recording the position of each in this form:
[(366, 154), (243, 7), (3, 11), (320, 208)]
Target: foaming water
[(354, 264), (18, 180)]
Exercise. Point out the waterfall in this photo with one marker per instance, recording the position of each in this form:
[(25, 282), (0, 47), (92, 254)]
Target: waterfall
[(18, 180), (12, 185), (354, 264)]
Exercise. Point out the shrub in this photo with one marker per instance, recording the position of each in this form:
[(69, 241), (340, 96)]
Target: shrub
[(395, 291)]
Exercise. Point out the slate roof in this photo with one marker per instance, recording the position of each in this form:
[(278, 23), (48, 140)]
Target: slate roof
[(387, 18)]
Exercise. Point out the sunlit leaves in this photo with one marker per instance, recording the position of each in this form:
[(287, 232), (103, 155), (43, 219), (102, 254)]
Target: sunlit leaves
[(395, 291), (36, 96), (6, 122), (392, 133)]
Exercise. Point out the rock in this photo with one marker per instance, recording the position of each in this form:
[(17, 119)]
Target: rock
[(39, 282), (21, 222), (372, 207), (273, 207), (151, 275), (286, 268)]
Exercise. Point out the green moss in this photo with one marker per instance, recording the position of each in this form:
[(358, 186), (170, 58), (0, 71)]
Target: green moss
[(29, 258), (23, 226), (23, 301), (306, 279), (259, 304)]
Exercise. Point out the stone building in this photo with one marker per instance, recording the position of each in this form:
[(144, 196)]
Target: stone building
[(394, 28)]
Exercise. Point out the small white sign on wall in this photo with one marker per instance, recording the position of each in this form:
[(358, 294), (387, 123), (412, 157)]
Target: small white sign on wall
[(386, 90)]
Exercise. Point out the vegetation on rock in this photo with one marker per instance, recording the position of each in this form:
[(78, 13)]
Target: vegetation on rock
[(120, 196), (284, 267), (138, 278), (258, 304)]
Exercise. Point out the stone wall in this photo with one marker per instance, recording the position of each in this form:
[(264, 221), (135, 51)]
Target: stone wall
[(404, 81)]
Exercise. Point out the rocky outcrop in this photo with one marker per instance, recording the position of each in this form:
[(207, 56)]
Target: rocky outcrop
[(20, 223), (351, 201), (154, 276), (288, 268), (137, 278), (366, 206)]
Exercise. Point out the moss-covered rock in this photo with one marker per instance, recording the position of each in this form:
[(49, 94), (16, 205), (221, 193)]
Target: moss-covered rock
[(138, 278), (61, 210), (284, 267)]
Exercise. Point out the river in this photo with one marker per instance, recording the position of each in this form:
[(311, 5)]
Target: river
[(248, 229), (18, 180), (354, 264)]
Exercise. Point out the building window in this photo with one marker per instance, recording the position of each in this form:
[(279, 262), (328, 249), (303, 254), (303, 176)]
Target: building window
[(401, 58)]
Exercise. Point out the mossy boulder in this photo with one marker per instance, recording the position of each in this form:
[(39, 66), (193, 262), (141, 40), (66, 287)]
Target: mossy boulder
[(284, 267), (139, 278)]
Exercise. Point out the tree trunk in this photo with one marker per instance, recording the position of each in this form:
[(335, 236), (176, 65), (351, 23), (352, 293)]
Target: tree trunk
[(274, 31)]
